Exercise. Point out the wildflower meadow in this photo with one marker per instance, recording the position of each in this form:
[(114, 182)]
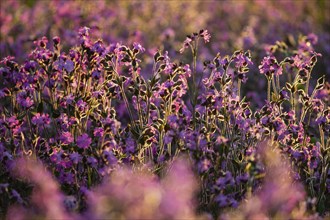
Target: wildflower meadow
[(164, 109)]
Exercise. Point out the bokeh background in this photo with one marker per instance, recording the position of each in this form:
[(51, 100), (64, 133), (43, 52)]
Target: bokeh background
[(164, 24), (241, 24)]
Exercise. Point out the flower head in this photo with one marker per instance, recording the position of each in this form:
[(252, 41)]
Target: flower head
[(269, 66), (83, 141)]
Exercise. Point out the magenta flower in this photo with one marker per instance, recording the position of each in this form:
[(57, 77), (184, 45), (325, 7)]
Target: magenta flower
[(98, 132), (186, 44), (66, 138), (205, 35)]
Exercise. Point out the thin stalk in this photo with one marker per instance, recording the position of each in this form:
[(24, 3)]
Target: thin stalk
[(268, 90), (194, 85), (308, 78), (322, 136), (274, 86), (127, 105), (161, 142), (124, 95), (278, 82), (239, 89)]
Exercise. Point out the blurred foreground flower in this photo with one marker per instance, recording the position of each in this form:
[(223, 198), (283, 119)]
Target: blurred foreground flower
[(129, 194), (280, 197), (46, 198)]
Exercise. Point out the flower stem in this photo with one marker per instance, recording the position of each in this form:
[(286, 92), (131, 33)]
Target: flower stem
[(268, 90), (274, 86), (239, 88)]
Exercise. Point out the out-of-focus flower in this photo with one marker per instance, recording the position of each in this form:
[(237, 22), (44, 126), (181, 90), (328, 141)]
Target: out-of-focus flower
[(194, 38), (205, 35), (167, 199), (46, 195), (279, 196)]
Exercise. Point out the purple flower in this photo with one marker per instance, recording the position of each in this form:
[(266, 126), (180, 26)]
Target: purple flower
[(320, 120), (225, 181), (204, 165), (40, 119), (194, 37), (30, 65), (138, 47), (205, 35), (84, 141), (269, 66), (98, 132), (96, 74), (68, 66), (92, 161), (75, 157), (66, 138), (24, 99), (243, 178), (187, 70), (312, 38), (56, 156), (84, 37), (82, 106), (222, 200), (284, 94), (242, 61), (68, 100), (12, 122), (42, 43), (84, 31), (186, 44), (168, 137), (108, 155), (98, 47), (66, 177)]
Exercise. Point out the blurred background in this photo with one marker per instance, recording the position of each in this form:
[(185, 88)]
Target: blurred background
[(241, 24), (155, 24)]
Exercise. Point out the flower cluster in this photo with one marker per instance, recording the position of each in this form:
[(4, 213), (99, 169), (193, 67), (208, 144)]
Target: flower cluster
[(109, 130)]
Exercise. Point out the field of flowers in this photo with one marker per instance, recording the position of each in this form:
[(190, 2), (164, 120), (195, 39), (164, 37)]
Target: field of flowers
[(164, 109)]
